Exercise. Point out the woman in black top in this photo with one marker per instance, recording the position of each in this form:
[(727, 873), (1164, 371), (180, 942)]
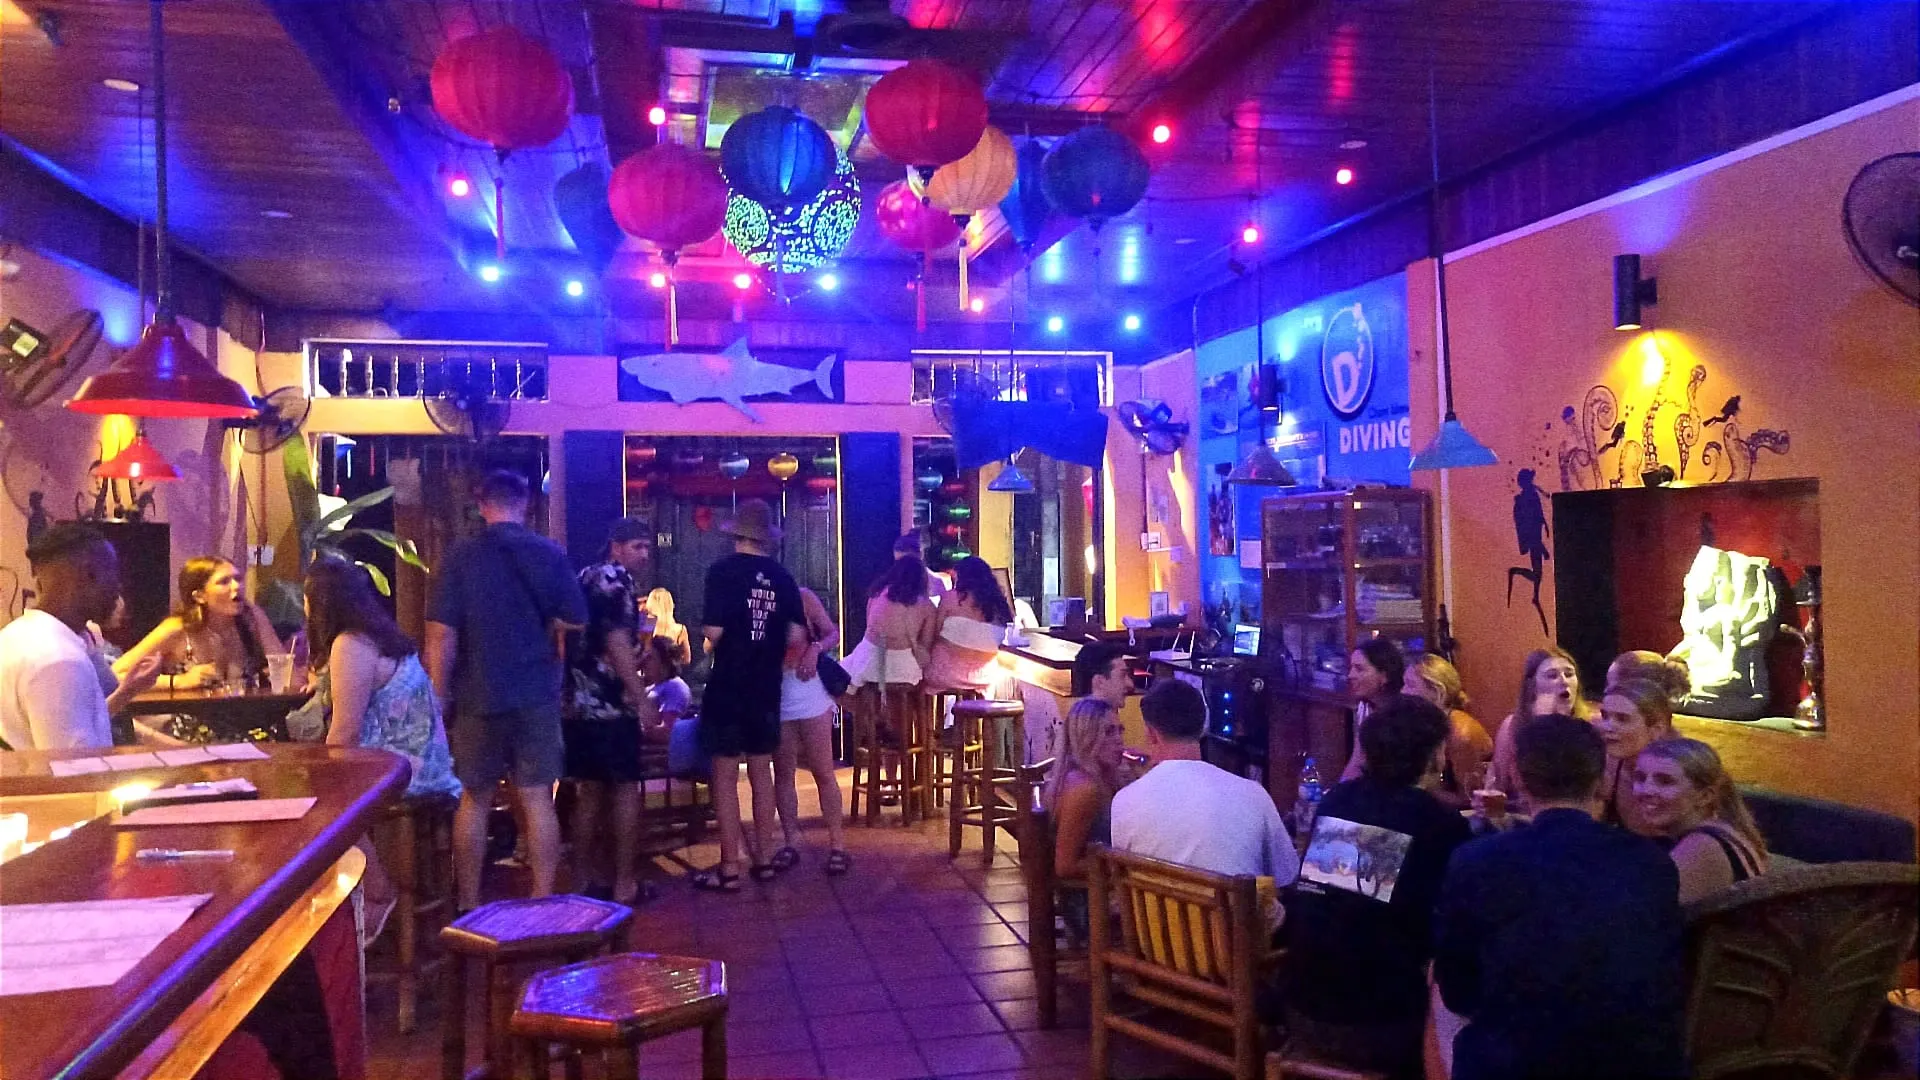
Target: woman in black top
[(1684, 798), (1359, 926)]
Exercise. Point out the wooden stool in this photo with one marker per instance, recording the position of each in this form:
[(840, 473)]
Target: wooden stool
[(976, 800), (615, 1003), (414, 839), (902, 712), (509, 934), (951, 752)]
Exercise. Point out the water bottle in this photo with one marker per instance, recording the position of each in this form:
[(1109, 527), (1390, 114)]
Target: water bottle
[(1307, 803)]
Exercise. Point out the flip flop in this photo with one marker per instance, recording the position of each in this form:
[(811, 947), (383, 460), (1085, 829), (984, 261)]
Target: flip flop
[(838, 862), (785, 859), (715, 879), (763, 872)]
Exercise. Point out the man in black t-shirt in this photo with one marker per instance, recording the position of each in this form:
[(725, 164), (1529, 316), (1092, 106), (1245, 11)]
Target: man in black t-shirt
[(751, 616), (1360, 925)]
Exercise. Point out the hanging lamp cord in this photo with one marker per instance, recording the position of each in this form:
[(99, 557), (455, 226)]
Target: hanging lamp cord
[(162, 277), (1433, 229)]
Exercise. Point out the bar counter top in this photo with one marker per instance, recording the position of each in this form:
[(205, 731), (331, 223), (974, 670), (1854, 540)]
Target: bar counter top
[(98, 1032)]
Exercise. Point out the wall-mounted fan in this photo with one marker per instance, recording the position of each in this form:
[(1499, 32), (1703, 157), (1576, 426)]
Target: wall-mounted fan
[(1152, 423), (1882, 218), (33, 369), (281, 413), (467, 409)]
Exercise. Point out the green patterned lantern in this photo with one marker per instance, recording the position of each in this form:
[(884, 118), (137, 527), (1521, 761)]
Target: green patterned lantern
[(794, 241)]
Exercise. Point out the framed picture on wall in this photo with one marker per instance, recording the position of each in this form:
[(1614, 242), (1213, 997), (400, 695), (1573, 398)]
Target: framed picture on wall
[(1158, 604)]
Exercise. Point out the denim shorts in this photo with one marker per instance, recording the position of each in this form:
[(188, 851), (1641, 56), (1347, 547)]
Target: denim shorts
[(523, 743)]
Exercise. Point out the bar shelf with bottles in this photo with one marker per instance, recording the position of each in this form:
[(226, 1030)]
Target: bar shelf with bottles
[(1338, 567)]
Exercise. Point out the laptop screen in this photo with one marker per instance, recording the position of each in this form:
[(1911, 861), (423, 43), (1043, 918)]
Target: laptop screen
[(1246, 640)]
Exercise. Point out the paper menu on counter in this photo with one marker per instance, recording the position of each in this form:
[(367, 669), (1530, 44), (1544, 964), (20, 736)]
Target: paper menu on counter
[(218, 813), (244, 751), (72, 946), (130, 762), (192, 755), (77, 766)]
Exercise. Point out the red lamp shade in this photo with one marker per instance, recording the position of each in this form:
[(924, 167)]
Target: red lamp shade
[(914, 225), (163, 376), (503, 88), (926, 114), (139, 461), (670, 195)]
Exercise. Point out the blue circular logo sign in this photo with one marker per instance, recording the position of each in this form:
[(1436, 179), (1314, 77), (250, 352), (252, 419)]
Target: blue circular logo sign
[(1346, 361)]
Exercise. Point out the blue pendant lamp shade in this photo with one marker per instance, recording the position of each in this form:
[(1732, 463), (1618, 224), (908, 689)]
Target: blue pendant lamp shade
[(1011, 480), (1095, 173), (1261, 469), (1025, 207), (1453, 447), (777, 157)]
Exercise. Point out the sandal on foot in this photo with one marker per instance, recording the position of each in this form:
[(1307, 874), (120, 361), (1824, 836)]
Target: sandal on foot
[(763, 871), (785, 859), (838, 862), (716, 880)]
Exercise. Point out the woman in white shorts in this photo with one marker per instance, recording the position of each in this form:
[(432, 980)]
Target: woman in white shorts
[(806, 731)]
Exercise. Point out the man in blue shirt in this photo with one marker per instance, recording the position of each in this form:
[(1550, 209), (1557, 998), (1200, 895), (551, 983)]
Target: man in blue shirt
[(1560, 941), (502, 603)]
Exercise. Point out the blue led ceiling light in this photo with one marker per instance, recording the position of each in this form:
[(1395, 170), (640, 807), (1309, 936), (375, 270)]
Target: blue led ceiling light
[(801, 239)]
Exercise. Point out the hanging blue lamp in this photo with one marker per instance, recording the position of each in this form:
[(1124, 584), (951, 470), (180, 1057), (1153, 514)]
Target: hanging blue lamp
[(1025, 207), (777, 157), (1011, 480)]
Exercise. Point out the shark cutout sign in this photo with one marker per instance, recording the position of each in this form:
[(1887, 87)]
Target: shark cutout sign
[(732, 375)]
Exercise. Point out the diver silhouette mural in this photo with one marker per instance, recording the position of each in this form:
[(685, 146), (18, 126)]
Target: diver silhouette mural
[(1531, 531)]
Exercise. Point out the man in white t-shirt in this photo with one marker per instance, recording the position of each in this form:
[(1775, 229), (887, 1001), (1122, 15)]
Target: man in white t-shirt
[(1187, 811), (54, 683)]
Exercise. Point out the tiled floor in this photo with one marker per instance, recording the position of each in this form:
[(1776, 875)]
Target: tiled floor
[(909, 966)]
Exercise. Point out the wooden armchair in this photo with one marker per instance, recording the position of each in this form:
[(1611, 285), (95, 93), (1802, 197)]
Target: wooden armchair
[(1033, 830), (1788, 971)]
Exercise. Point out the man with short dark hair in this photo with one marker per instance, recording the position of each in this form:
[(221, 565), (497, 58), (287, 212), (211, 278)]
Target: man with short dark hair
[(1191, 812), (57, 691), (502, 603), (1359, 926), (911, 543), (1560, 942), (1101, 670)]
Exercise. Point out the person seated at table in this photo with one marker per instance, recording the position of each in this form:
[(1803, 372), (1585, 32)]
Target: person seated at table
[(900, 623), (373, 692), (1646, 665), (1469, 748), (57, 692), (656, 620), (215, 636), (1360, 922), (1376, 673), (1685, 799), (1560, 943), (1079, 789), (1549, 683), (1632, 715), (968, 629), (665, 718), (1188, 811)]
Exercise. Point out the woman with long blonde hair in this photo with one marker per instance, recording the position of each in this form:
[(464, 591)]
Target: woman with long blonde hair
[(1086, 773), (656, 620), (1468, 746), (1686, 798), (1549, 683)]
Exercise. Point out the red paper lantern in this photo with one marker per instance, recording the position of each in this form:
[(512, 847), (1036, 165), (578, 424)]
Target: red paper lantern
[(926, 114), (916, 226), (671, 196), (503, 88)]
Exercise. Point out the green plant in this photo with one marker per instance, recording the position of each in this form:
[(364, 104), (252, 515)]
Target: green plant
[(321, 530)]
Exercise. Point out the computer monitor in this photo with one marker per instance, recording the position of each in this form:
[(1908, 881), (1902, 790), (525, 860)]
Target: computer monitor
[(1246, 640)]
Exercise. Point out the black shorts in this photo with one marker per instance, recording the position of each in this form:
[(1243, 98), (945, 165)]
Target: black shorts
[(604, 751), (523, 743), (735, 729)]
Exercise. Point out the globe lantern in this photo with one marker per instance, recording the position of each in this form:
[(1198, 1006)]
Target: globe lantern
[(504, 89), (777, 157), (974, 183), (918, 227), (1095, 173), (925, 114), (1026, 207), (673, 197), (797, 240)]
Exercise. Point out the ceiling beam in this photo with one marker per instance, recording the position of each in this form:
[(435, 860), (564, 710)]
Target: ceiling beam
[(627, 63)]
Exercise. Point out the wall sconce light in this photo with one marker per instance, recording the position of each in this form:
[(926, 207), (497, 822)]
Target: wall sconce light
[(1271, 387), (1631, 292)]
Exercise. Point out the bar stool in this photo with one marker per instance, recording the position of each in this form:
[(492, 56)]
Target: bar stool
[(508, 936), (614, 1003), (950, 750), (415, 840), (996, 725), (891, 733)]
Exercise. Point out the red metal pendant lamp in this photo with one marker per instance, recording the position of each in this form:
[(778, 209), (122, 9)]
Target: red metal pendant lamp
[(139, 460), (163, 375), (506, 90)]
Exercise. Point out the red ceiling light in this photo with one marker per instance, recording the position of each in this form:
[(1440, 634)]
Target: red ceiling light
[(977, 305), (658, 280), (1162, 134), (459, 186), (657, 115), (163, 374), (1250, 234), (1343, 176), (141, 460), (743, 281)]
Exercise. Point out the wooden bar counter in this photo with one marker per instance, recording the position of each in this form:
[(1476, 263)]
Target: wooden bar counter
[(177, 1004)]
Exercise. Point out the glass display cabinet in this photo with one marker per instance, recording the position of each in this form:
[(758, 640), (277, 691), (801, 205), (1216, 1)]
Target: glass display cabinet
[(1339, 567)]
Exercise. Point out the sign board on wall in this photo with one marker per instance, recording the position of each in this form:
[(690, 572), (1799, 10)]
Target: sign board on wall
[(1344, 417)]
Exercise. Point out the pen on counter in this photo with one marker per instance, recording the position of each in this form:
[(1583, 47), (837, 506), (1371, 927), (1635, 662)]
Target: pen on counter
[(161, 854)]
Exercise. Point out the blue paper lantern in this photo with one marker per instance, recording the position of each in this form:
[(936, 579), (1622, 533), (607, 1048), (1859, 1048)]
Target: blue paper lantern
[(777, 157), (734, 466), (1095, 173), (1026, 209), (797, 240)]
